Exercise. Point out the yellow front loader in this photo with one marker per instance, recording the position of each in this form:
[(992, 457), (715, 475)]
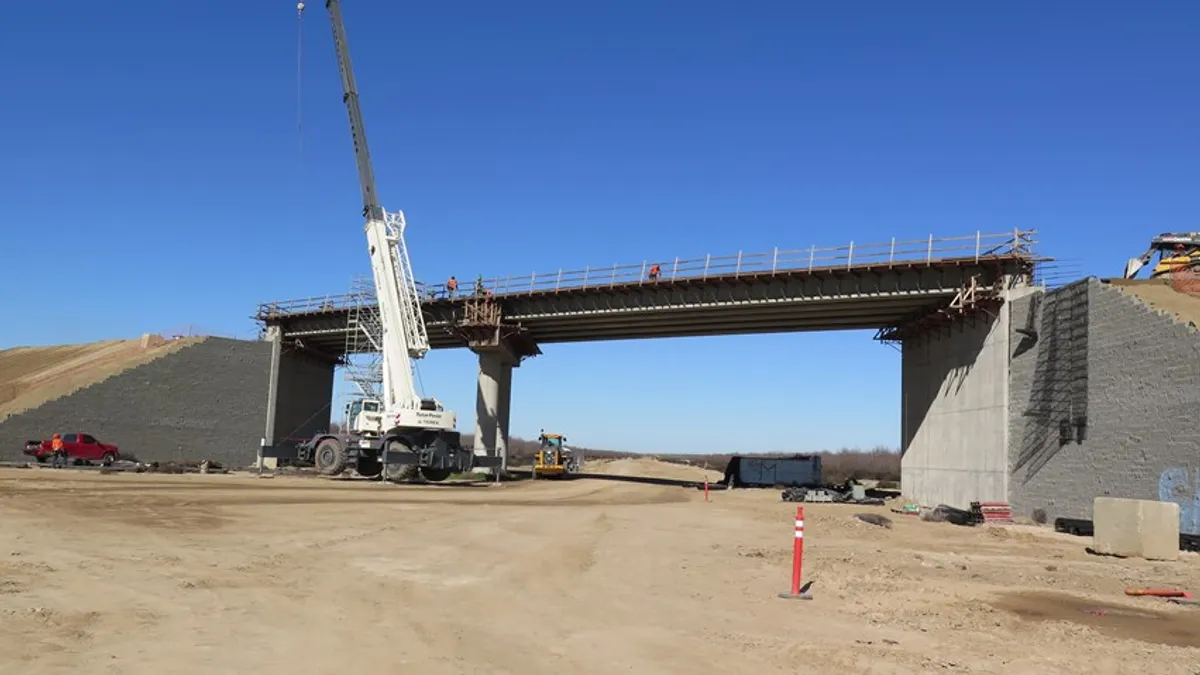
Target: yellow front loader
[(554, 459)]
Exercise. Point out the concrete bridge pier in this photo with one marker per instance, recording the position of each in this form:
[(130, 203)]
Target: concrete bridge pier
[(493, 399), (500, 346)]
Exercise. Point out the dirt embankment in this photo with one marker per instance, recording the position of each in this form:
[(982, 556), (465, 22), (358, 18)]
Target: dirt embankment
[(1161, 295), (31, 376)]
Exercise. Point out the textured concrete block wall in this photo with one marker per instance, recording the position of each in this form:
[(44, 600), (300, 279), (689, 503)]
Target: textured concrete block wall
[(1141, 374), (954, 413), (206, 401)]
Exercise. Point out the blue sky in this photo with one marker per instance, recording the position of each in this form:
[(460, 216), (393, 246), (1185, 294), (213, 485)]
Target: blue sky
[(154, 176)]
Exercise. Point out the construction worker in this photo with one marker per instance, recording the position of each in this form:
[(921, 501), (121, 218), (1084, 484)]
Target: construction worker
[(479, 290), (654, 272), (452, 286), (58, 452)]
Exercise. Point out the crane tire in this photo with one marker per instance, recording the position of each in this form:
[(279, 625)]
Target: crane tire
[(399, 473), (435, 475), (330, 457)]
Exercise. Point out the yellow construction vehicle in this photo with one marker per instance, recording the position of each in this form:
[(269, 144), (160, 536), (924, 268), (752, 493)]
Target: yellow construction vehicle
[(553, 458), (1177, 252)]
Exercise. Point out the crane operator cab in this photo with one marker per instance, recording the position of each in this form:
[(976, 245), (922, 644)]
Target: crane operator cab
[(365, 416)]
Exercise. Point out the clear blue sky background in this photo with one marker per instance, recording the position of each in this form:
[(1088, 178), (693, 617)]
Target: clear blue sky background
[(152, 174)]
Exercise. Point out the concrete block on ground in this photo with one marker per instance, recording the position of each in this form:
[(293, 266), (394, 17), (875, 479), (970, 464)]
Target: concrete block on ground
[(1136, 528)]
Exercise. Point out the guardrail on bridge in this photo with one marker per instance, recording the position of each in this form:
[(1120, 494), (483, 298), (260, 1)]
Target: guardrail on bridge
[(929, 251)]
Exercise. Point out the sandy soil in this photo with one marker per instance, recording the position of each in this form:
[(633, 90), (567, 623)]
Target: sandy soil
[(233, 574), (1162, 296), (31, 376)]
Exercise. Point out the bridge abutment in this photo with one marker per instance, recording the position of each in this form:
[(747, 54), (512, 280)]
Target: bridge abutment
[(299, 394), (955, 407)]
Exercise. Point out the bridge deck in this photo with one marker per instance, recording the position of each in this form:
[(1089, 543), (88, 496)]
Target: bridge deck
[(849, 287)]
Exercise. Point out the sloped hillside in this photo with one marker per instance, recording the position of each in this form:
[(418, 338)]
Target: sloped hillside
[(32, 376), (1160, 295), (187, 399)]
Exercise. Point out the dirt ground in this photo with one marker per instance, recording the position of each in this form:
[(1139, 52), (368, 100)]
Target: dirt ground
[(126, 573)]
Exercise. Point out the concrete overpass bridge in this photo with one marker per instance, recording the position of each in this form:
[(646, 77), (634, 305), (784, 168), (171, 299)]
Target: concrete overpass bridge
[(907, 291)]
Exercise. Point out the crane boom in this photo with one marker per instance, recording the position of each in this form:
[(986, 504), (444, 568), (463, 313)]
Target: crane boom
[(405, 335), (362, 154)]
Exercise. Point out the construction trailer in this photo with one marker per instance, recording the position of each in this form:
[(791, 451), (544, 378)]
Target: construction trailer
[(791, 471)]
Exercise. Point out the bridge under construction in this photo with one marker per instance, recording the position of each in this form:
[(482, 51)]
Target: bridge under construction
[(913, 292)]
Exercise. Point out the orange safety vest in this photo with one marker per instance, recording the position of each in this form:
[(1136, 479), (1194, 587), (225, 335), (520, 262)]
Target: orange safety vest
[(56, 444)]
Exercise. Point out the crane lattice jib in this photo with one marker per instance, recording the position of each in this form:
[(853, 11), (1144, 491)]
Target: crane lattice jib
[(417, 337)]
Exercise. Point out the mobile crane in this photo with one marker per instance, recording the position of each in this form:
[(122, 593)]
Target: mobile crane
[(403, 434), (1177, 251)]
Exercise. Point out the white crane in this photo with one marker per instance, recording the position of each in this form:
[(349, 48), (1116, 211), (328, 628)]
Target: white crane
[(410, 431)]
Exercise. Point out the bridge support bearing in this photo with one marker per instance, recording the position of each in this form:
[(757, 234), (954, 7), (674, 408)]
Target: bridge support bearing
[(501, 347), (970, 303)]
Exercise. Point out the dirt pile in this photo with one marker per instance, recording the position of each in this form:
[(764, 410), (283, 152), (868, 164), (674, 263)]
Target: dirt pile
[(1160, 295), (31, 376), (645, 467)]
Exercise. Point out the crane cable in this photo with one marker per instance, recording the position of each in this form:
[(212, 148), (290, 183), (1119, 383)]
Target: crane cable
[(300, 78)]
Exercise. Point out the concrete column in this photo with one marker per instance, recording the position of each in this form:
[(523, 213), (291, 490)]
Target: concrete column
[(502, 417), (493, 394), (275, 337), (487, 401)]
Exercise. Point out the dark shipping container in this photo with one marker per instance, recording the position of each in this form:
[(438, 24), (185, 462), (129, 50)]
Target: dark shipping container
[(794, 471)]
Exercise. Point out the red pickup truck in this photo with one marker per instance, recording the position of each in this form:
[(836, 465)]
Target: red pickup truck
[(79, 447)]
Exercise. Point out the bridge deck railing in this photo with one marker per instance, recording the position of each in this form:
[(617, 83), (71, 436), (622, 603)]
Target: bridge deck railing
[(928, 251)]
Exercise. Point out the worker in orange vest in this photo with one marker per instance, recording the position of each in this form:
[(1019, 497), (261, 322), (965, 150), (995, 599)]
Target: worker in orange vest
[(654, 271), (58, 452), (452, 286)]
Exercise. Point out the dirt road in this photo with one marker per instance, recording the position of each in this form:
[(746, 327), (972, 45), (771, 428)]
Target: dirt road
[(233, 574)]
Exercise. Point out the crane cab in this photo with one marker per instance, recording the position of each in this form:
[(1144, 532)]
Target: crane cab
[(364, 416)]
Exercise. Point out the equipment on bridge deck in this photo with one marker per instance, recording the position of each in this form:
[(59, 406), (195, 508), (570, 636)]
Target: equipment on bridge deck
[(1177, 251), (554, 459), (404, 432)]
